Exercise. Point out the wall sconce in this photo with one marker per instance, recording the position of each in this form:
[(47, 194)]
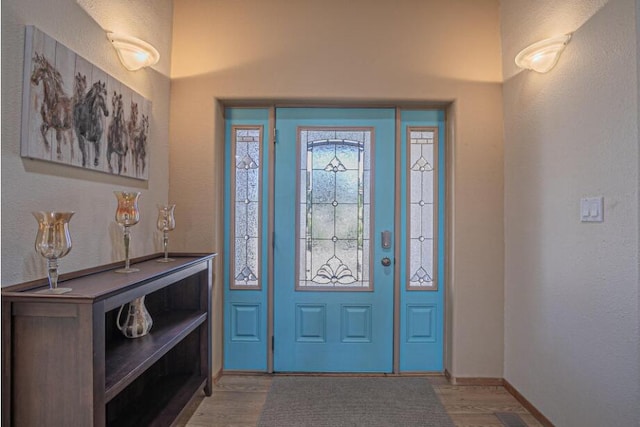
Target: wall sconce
[(543, 55), (133, 52)]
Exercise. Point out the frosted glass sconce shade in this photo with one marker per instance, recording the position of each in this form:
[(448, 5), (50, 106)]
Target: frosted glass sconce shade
[(133, 52), (543, 55)]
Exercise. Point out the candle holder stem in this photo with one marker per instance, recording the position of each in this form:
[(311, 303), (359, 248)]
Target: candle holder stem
[(165, 244), (127, 239), (53, 273), (127, 268), (165, 241)]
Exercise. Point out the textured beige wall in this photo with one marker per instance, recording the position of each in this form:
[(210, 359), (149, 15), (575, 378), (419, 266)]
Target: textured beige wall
[(571, 288), (29, 185), (348, 52)]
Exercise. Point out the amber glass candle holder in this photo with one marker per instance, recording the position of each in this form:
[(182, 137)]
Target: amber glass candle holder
[(166, 222), (53, 241), (127, 215)]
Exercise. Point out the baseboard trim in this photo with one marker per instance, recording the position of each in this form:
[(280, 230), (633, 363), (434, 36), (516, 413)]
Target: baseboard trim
[(539, 416), (482, 381), (217, 376), (477, 381)]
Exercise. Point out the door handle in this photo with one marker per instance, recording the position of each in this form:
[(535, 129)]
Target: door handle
[(385, 239), (386, 261)]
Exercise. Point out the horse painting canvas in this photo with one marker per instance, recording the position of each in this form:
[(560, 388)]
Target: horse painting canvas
[(76, 114)]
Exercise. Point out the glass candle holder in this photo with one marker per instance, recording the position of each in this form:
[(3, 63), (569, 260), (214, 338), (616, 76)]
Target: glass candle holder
[(53, 242), (166, 222), (127, 215)]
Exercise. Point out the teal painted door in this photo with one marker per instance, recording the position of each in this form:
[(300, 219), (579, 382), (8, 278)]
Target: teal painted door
[(334, 196), (333, 182)]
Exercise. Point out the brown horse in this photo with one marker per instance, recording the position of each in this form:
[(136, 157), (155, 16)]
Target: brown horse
[(55, 109)]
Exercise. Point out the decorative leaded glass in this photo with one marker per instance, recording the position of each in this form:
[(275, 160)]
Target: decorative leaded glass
[(422, 161), (245, 193), (334, 208)]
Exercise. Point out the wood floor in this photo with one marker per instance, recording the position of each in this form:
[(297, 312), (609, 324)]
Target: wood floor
[(237, 401)]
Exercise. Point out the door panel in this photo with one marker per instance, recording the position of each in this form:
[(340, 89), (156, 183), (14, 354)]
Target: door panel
[(421, 260), (334, 186), (245, 252)]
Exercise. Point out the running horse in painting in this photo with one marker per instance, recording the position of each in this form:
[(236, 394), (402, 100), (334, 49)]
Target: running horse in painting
[(87, 120), (137, 134), (140, 146), (116, 133), (55, 109)]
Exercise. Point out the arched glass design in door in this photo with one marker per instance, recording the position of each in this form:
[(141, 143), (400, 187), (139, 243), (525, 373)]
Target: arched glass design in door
[(334, 208)]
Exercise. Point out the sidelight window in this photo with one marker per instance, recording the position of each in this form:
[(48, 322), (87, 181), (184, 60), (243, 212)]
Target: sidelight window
[(422, 188), (246, 206)]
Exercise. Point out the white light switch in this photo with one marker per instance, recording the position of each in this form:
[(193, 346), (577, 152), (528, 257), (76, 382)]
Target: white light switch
[(591, 209)]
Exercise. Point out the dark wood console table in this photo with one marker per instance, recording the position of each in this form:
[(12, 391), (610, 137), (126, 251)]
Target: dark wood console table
[(65, 363)]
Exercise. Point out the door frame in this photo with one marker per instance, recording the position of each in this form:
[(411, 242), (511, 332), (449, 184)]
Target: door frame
[(445, 275)]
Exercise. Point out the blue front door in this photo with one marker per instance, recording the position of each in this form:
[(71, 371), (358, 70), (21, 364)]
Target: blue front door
[(333, 279), (334, 240)]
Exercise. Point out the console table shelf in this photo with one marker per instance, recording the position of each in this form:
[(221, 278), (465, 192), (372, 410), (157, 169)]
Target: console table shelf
[(125, 361), (66, 363), (165, 397)]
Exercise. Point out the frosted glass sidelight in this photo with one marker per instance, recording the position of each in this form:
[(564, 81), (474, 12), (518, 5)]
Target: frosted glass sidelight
[(333, 207), (422, 165), (247, 205)]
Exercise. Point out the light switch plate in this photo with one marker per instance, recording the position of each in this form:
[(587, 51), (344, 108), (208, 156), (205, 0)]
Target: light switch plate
[(592, 209)]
